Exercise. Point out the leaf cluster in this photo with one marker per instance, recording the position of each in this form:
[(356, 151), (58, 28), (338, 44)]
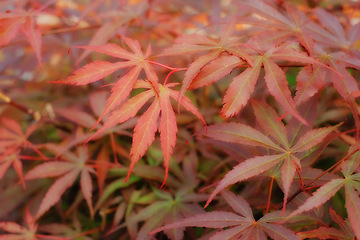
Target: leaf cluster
[(179, 119)]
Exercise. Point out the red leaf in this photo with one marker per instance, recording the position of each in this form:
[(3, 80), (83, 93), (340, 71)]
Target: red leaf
[(186, 103), (86, 188), (238, 204), (144, 133), (193, 70), (33, 35), (238, 93), (168, 128), (276, 83), (215, 70), (120, 91), (93, 72), (352, 204), (240, 133), (269, 121), (9, 27), (322, 195), (245, 170), (126, 111), (287, 175), (49, 169), (54, 193), (312, 138), (309, 81), (211, 220)]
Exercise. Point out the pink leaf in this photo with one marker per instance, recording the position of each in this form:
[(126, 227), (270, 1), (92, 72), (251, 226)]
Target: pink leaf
[(218, 68), (287, 175), (126, 111), (12, 227), (168, 128), (120, 91), (309, 81), (312, 138), (278, 232), (79, 117), (231, 233), (93, 72), (276, 83), (238, 204), (238, 93), (86, 188), (144, 133), (33, 35), (214, 219), (322, 195), (193, 70), (9, 27), (269, 121), (186, 103), (251, 167), (240, 133), (54, 193), (49, 169), (352, 204)]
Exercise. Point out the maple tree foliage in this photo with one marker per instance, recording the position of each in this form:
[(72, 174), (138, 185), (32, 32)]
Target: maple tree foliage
[(142, 119)]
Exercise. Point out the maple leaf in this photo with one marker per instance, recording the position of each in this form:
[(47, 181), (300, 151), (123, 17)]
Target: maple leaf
[(239, 225), (167, 208), (110, 28), (265, 55), (12, 135), (19, 232), (332, 33), (345, 232), (170, 206), (67, 172), (277, 24), (13, 140), (284, 152), (11, 22), (99, 69), (351, 184), (162, 206), (311, 81), (196, 43), (149, 120)]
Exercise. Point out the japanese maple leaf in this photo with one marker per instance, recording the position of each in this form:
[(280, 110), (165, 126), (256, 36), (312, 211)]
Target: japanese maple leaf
[(110, 28), (169, 206), (147, 125), (350, 182), (262, 53), (332, 34), (277, 24), (238, 93), (17, 232), (312, 80), (66, 171), (13, 139), (239, 225), (136, 60), (344, 233), (11, 22), (12, 135), (285, 152), (8, 158), (196, 43)]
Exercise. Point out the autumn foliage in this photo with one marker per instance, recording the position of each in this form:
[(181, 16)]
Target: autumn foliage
[(179, 119)]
